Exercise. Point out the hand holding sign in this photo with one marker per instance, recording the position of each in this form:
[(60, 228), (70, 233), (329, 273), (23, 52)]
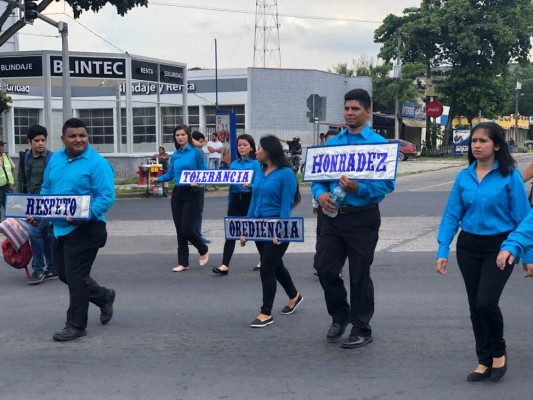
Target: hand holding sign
[(348, 185)]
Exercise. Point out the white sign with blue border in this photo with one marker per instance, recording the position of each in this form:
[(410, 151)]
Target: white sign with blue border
[(264, 229), (48, 206), (378, 161), (217, 176)]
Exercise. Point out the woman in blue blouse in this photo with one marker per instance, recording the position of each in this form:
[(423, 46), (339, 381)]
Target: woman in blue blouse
[(185, 201), (239, 196), (488, 201), (274, 194)]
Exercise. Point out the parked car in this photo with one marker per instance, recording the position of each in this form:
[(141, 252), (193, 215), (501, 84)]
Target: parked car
[(407, 149), (528, 143)]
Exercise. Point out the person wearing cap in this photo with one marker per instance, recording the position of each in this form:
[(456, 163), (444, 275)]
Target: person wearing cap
[(7, 172)]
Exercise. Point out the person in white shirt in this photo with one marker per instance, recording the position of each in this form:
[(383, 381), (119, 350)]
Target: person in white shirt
[(215, 147)]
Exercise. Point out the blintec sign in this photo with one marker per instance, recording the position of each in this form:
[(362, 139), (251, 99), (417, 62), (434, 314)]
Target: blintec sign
[(90, 67)]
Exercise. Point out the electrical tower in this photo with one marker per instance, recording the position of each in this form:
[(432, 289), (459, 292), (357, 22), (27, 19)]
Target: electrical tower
[(267, 52)]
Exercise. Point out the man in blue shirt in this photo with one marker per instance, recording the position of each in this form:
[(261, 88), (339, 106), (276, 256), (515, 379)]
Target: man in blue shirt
[(352, 233), (79, 170)]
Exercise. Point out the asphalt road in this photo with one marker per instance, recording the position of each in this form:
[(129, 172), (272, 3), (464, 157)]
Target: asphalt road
[(186, 336)]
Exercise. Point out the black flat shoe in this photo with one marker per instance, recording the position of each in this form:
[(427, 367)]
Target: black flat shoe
[(257, 323), (289, 310), (498, 373), (479, 376), (218, 271)]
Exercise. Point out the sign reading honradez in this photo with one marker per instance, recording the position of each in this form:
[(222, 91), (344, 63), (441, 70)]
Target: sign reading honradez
[(47, 207), (264, 229), (217, 176), (377, 161)]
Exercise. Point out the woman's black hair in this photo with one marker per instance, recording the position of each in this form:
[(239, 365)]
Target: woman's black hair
[(187, 131), (250, 141), (497, 135), (272, 146)]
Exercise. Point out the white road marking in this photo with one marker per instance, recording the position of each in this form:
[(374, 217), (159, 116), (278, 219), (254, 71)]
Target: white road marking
[(432, 186)]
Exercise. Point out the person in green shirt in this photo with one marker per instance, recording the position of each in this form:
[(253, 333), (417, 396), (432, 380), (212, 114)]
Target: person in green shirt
[(29, 180)]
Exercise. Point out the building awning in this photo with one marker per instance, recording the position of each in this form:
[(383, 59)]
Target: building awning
[(414, 123)]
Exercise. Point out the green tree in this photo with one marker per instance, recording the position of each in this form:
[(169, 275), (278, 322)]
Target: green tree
[(471, 41)]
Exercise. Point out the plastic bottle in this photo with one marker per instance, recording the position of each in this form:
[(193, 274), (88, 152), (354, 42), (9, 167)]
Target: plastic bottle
[(159, 191), (337, 196)]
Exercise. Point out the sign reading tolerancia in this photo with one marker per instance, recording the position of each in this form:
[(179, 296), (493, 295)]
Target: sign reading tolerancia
[(58, 207), (377, 161), (264, 229), (217, 176)]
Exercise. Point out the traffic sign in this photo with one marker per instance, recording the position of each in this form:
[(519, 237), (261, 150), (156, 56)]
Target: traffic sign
[(434, 109)]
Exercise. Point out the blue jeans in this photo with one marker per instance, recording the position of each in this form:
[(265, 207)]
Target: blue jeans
[(214, 163), (41, 247)]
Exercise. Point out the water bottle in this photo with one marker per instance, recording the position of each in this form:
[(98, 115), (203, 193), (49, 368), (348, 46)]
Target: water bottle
[(337, 196), (160, 192)]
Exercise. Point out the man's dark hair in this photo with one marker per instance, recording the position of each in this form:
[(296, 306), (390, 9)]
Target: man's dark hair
[(197, 135), (36, 130), (73, 123), (359, 95)]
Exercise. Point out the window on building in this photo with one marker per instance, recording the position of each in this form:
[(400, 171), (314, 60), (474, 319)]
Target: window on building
[(144, 127), (99, 123), (211, 119), (24, 118), (170, 118)]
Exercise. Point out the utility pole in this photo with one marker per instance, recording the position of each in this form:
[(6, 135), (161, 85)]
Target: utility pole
[(397, 74), (517, 95)]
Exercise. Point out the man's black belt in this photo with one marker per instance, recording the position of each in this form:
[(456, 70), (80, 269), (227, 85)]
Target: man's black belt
[(356, 209)]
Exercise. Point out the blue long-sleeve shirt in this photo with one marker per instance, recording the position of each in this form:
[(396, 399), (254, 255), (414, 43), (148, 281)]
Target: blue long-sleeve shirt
[(521, 240), (87, 174), (189, 158), (369, 191), (496, 205), (244, 163), (273, 195)]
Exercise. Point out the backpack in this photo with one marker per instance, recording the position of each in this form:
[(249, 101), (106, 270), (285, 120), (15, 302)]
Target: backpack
[(24, 157), (16, 258)]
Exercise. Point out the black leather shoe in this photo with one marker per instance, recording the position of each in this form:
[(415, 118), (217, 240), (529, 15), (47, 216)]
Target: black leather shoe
[(498, 373), (106, 311), (69, 333), (336, 331), (289, 310), (218, 271), (479, 376), (353, 342)]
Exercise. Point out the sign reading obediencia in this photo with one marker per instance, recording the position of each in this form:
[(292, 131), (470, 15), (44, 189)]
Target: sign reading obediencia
[(264, 229), (217, 176), (48, 207), (363, 161)]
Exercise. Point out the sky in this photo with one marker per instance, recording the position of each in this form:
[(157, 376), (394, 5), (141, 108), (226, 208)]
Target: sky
[(313, 34)]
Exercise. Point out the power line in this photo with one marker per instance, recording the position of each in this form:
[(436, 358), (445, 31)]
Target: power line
[(87, 28), (236, 11)]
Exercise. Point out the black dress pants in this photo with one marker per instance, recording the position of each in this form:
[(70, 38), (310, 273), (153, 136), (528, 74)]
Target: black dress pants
[(73, 255), (355, 236), (238, 207), (272, 270), (484, 281), (185, 205)]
